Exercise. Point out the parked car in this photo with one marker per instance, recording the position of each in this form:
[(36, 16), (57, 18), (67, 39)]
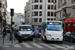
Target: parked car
[(69, 36)]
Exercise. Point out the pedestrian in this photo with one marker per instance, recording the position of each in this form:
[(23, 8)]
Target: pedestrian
[(4, 32)]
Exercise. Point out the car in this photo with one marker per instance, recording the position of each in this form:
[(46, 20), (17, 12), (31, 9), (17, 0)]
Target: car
[(24, 33), (69, 37)]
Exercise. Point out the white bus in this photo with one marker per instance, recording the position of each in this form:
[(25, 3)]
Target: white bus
[(52, 31)]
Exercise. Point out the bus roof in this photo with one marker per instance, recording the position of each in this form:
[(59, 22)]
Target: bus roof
[(25, 25), (52, 21)]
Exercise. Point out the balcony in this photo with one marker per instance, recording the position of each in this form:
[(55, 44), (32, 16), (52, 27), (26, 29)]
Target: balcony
[(64, 3), (73, 1)]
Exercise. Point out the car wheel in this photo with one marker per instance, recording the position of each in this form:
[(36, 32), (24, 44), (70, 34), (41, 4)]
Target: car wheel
[(61, 42), (64, 39), (19, 41), (72, 40)]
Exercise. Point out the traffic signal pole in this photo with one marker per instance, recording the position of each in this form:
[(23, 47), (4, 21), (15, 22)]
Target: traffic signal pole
[(12, 14)]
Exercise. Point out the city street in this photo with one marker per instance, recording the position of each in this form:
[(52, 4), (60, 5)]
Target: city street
[(38, 44)]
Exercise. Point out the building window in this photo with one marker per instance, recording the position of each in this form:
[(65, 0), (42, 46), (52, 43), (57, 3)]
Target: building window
[(32, 7), (35, 6), (51, 13), (51, 19), (55, 7), (54, 13), (40, 6), (32, 13), (55, 1), (48, 6), (36, 13), (51, 6), (40, 13), (35, 19), (52, 1), (40, 0), (74, 11), (54, 18), (48, 18), (48, 0), (40, 19), (48, 14), (35, 1)]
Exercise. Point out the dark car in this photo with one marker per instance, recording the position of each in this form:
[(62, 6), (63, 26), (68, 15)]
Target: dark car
[(69, 36)]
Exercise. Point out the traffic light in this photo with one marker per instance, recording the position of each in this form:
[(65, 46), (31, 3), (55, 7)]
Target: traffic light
[(12, 12), (13, 23), (0, 4)]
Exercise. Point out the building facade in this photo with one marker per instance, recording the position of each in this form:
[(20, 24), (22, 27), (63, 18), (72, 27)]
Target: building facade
[(66, 13), (26, 13), (16, 16), (3, 6), (40, 11)]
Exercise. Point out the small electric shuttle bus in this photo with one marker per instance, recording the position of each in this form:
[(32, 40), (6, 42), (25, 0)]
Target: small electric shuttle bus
[(52, 31)]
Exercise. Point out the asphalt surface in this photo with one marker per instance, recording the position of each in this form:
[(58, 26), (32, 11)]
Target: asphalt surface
[(38, 44)]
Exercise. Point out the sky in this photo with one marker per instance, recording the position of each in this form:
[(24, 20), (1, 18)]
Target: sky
[(17, 5)]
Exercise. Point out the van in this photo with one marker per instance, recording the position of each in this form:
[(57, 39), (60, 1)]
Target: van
[(24, 33)]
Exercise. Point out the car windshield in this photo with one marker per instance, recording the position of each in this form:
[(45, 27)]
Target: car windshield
[(54, 27), (25, 28)]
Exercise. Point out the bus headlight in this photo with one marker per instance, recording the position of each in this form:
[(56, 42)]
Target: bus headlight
[(48, 34)]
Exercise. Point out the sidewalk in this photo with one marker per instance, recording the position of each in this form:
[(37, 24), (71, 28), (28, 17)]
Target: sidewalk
[(6, 40)]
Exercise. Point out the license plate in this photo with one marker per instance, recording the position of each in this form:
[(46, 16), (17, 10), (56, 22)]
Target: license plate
[(25, 37)]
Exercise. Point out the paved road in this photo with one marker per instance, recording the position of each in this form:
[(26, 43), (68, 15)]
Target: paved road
[(38, 44)]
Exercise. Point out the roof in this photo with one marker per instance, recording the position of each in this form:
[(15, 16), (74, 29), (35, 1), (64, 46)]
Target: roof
[(25, 25), (53, 21)]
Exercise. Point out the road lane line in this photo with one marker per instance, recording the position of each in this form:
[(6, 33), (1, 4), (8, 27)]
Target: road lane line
[(17, 46), (27, 45), (48, 46), (37, 45), (58, 46), (69, 47), (5, 46)]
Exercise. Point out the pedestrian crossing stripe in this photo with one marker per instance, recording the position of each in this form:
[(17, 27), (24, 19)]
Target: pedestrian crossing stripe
[(37, 45), (43, 45), (27, 45)]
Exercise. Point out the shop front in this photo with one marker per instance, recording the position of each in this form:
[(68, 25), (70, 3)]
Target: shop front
[(70, 25)]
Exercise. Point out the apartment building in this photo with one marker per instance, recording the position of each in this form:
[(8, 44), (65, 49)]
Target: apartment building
[(40, 11), (26, 13), (16, 16), (3, 6), (66, 13)]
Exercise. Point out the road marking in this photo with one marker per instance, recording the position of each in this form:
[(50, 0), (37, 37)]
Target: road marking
[(37, 45), (17, 45), (57, 46), (69, 47), (48, 46), (5, 46), (27, 45)]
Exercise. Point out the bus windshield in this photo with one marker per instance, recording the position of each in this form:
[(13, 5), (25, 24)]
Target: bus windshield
[(54, 27), (25, 28)]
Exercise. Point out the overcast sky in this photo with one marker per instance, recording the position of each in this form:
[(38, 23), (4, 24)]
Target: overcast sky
[(18, 5)]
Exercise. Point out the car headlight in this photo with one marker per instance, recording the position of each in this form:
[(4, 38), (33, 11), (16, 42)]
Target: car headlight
[(19, 34), (32, 33)]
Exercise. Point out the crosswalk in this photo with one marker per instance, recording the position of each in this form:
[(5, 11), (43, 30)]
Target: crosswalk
[(42, 46)]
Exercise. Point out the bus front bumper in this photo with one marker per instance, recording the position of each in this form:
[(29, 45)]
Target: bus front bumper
[(54, 38)]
